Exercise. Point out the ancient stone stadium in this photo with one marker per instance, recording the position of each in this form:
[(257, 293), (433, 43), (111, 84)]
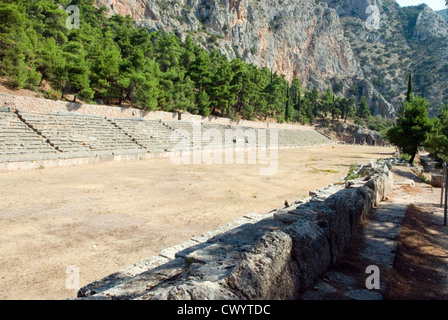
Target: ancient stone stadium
[(280, 253)]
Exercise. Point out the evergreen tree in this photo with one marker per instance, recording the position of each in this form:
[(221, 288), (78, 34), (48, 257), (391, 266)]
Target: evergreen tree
[(295, 93), (288, 106), (276, 98), (413, 128), (203, 102), (78, 72), (105, 71), (438, 140), (327, 101), (222, 93), (313, 99), (363, 108), (409, 91)]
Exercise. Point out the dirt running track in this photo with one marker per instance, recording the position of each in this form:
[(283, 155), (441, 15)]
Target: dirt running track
[(105, 217)]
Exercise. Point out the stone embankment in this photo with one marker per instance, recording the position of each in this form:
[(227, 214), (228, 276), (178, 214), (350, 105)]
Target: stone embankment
[(278, 255)]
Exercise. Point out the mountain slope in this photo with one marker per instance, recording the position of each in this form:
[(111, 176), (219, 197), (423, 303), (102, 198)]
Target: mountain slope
[(409, 40), (301, 40), (322, 43)]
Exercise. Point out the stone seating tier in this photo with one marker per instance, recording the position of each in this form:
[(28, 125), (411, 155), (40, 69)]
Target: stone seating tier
[(28, 136)]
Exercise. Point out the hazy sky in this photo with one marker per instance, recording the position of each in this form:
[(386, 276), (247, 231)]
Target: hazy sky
[(434, 4)]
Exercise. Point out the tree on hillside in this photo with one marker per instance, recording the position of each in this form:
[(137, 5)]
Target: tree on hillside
[(276, 97), (313, 99), (412, 128), (347, 107), (409, 92), (363, 108), (288, 107), (327, 101)]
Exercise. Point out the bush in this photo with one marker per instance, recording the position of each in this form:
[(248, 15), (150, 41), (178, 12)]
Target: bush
[(351, 173)]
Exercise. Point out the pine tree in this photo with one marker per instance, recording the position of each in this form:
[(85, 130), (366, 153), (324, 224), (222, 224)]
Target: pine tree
[(288, 107), (105, 71), (313, 99), (222, 92), (409, 91), (203, 102), (413, 128), (363, 108), (78, 72), (327, 101)]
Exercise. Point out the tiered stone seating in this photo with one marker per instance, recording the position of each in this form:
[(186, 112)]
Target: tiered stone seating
[(261, 142), (81, 134), (186, 130), (50, 135), (296, 138), (18, 142), (153, 135), (208, 130)]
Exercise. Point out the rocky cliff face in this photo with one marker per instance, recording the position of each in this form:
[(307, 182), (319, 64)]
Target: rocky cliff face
[(309, 40), (429, 24), (407, 40), (302, 40)]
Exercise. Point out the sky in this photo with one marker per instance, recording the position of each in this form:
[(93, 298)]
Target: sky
[(434, 4)]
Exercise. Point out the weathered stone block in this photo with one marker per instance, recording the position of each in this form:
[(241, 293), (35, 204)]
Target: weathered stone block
[(140, 284), (436, 180), (310, 251), (336, 213), (193, 290), (266, 272)]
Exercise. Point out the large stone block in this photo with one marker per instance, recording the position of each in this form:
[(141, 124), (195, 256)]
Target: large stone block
[(121, 276), (310, 251), (266, 272), (382, 184), (336, 212), (436, 180), (139, 285)]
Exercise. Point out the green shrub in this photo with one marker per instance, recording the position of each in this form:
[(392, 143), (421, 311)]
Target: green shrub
[(351, 173)]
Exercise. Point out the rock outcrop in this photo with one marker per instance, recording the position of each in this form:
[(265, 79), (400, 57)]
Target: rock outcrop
[(430, 24), (354, 134)]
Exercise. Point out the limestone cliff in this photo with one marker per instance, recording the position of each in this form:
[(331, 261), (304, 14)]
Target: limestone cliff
[(308, 39), (301, 40), (407, 40)]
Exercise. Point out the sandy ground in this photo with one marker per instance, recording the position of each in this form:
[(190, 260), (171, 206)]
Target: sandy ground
[(421, 264), (105, 217)]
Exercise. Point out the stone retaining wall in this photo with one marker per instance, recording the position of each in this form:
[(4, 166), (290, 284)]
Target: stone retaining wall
[(22, 103), (273, 256)]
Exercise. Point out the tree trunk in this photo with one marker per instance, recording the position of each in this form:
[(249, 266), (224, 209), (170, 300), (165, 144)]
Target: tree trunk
[(411, 161)]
